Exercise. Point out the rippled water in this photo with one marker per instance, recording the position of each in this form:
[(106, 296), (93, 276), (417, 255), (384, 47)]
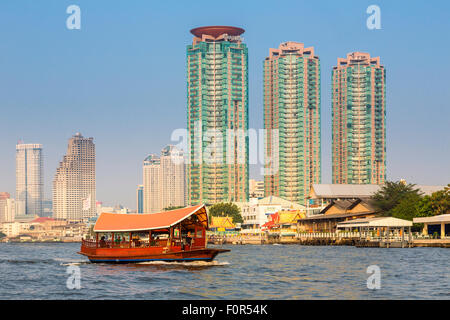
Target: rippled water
[(38, 271)]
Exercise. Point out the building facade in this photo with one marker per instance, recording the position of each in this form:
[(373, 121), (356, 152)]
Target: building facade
[(217, 117), (140, 199), (359, 117), (74, 189), (4, 197), (292, 121), (152, 184), (164, 180), (173, 177), (29, 180), (256, 188)]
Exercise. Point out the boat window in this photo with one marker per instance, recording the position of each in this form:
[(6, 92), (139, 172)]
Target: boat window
[(199, 233)]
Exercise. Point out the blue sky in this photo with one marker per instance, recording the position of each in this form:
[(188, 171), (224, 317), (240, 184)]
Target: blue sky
[(121, 78)]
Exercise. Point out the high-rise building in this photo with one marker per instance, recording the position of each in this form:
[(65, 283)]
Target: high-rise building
[(217, 118), (152, 184), (292, 121), (359, 117), (74, 188), (4, 197), (29, 180), (140, 199), (164, 180), (256, 188), (173, 177)]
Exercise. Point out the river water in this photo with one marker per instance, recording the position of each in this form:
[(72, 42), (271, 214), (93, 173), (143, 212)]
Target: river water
[(39, 271)]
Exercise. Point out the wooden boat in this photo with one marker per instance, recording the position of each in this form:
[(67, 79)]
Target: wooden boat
[(177, 235)]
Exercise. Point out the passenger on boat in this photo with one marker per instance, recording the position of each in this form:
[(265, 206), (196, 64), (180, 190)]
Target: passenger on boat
[(102, 242), (189, 239)]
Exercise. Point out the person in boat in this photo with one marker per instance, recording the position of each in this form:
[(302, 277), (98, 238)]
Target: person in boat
[(102, 242), (188, 239), (117, 241)]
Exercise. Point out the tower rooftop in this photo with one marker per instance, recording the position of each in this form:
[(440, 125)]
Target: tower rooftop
[(216, 31)]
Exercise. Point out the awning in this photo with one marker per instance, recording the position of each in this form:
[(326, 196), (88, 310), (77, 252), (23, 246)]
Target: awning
[(114, 222), (442, 218), (375, 222)]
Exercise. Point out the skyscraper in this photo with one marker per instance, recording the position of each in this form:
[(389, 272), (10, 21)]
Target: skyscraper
[(217, 118), (140, 199), (152, 184), (292, 121), (173, 177), (164, 180), (74, 189), (4, 197), (359, 116), (29, 180)]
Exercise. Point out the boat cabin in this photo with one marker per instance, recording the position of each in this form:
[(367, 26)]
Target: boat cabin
[(170, 231)]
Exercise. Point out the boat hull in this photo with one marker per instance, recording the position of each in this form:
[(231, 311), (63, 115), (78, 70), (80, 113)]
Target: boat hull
[(179, 256)]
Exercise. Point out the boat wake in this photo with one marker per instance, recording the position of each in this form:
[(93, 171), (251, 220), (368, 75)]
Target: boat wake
[(187, 263)]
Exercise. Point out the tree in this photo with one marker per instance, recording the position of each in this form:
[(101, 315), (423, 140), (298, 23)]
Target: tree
[(172, 208), (391, 194), (2, 235), (440, 201), (226, 209), (407, 208)]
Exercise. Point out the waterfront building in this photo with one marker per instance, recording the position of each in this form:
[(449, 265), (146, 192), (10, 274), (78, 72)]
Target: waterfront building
[(292, 121), (4, 197), (9, 211), (256, 188), (217, 117), (29, 180), (222, 224), (326, 193), (335, 212), (74, 190), (256, 211), (435, 225), (359, 120), (140, 199)]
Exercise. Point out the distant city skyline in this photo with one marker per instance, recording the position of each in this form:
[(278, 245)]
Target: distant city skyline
[(123, 81)]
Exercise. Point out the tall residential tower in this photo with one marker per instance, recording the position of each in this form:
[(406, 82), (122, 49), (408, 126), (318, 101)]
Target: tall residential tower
[(29, 180), (164, 180), (74, 182), (359, 116), (217, 117), (292, 121)]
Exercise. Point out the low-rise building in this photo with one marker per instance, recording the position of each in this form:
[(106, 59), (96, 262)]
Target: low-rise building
[(335, 212), (256, 212)]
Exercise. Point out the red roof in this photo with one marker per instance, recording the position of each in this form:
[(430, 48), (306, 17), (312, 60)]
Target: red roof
[(42, 219), (112, 222)]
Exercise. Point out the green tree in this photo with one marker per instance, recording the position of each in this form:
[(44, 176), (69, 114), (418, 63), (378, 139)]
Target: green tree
[(172, 208), (440, 201), (2, 235), (226, 209), (391, 194), (407, 208), (424, 208)]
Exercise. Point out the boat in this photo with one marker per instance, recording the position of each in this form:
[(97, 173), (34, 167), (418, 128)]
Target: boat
[(177, 235)]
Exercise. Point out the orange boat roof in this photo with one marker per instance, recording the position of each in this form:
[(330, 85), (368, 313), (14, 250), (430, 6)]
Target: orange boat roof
[(116, 222)]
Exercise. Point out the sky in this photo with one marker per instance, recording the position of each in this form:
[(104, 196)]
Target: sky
[(121, 78)]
